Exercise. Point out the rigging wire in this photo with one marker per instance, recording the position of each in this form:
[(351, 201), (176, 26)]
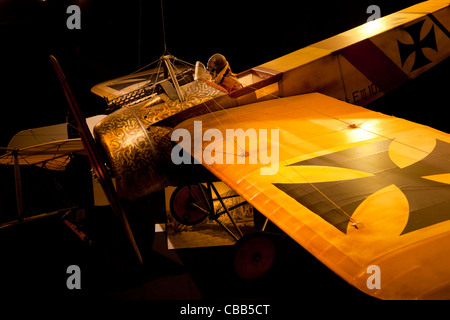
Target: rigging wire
[(163, 27), (140, 34)]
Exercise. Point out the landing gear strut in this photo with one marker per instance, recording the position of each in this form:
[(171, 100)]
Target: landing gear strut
[(254, 254)]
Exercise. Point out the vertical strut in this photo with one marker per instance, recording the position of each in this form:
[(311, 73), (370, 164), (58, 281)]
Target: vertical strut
[(174, 77), (18, 183)]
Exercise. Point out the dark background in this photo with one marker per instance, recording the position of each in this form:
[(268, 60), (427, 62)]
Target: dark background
[(117, 38)]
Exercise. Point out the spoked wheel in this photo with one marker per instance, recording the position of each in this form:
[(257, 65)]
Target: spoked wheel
[(189, 204), (254, 257)]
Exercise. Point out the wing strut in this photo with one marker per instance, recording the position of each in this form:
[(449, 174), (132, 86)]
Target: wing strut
[(94, 157), (174, 77)]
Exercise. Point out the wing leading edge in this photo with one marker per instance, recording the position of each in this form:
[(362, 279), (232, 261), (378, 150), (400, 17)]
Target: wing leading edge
[(356, 188)]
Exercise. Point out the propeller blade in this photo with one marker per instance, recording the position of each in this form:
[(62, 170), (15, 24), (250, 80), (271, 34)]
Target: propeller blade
[(97, 163)]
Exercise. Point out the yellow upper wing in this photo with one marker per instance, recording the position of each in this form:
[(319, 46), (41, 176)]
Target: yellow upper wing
[(366, 193)]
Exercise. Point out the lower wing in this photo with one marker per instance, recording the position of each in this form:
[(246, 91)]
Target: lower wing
[(53, 155)]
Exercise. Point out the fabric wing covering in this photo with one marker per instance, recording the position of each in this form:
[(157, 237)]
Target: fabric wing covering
[(52, 155), (360, 190)]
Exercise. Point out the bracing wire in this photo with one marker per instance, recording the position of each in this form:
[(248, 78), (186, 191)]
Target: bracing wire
[(140, 34), (163, 27)]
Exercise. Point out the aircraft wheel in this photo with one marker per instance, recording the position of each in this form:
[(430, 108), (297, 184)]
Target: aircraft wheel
[(188, 205), (255, 256)]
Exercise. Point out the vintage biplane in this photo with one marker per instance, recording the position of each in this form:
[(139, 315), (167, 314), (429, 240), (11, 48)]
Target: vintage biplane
[(362, 191)]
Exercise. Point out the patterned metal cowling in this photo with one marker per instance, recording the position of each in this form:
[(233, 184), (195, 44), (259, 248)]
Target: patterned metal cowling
[(139, 154)]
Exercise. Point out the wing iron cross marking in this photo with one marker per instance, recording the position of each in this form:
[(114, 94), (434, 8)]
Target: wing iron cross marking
[(406, 50), (429, 201)]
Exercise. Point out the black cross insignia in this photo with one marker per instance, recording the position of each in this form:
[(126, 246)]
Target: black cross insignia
[(429, 41), (429, 201)]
